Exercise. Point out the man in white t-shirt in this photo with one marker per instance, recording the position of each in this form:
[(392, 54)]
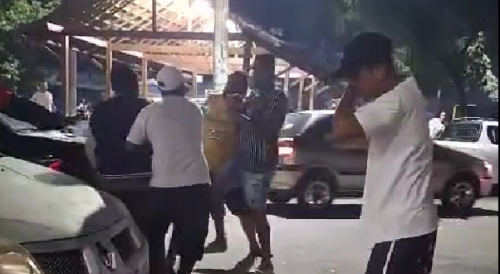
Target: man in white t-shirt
[(436, 125), (399, 217), (180, 184), (43, 97)]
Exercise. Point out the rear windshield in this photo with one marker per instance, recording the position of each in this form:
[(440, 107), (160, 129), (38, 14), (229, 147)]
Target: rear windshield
[(294, 124), (463, 132)]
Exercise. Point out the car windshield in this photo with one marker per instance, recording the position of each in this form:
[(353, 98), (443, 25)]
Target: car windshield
[(14, 124), (462, 132), (294, 124)]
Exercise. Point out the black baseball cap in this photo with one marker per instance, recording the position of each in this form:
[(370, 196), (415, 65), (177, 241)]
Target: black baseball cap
[(364, 50)]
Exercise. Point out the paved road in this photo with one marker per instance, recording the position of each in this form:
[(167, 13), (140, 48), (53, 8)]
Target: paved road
[(329, 244)]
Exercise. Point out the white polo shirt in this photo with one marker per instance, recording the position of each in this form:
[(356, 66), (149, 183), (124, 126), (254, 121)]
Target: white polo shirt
[(398, 200), (173, 127)]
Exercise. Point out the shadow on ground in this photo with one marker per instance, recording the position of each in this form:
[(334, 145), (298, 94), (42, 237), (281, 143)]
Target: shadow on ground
[(353, 211), (241, 267)]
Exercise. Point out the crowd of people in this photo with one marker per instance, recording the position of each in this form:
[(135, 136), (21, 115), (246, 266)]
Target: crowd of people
[(173, 166)]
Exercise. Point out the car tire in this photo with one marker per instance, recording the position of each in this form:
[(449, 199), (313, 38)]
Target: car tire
[(319, 183), (460, 194)]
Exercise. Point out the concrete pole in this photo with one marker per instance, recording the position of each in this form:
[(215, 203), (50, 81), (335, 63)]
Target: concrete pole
[(220, 45)]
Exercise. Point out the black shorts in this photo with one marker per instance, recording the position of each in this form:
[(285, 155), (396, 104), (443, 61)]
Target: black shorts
[(408, 256), (187, 209), (236, 202)]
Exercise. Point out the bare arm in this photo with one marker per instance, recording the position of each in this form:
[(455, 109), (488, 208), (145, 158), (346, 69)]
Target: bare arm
[(345, 124)]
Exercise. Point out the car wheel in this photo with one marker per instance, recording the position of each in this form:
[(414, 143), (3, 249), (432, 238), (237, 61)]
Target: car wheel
[(460, 194), (316, 190)]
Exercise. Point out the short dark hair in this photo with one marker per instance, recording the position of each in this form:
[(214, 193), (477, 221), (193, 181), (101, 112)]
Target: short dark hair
[(124, 80), (239, 78)]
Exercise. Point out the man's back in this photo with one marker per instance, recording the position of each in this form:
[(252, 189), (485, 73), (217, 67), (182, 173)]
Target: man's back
[(398, 200), (174, 128), (110, 124)]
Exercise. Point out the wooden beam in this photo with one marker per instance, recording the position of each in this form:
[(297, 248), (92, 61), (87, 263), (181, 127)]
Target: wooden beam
[(182, 50), (180, 59), (133, 34)]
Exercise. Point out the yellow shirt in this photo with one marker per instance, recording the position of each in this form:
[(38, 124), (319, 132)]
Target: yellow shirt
[(219, 133)]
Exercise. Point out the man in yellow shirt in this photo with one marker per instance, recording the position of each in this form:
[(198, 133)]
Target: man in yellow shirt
[(220, 141)]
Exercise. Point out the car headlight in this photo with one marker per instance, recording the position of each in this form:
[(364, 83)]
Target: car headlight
[(16, 260)]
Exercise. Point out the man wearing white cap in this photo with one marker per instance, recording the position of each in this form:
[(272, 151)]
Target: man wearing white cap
[(180, 184)]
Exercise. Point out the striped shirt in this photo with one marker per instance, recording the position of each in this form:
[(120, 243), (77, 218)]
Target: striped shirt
[(259, 133)]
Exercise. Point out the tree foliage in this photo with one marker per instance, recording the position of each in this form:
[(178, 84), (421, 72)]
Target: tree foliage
[(19, 66), (446, 40)]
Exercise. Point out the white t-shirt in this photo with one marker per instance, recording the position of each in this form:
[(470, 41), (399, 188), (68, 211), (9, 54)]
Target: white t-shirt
[(436, 127), (398, 200), (173, 127), (44, 99)]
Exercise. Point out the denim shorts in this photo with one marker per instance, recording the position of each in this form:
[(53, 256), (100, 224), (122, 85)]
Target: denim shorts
[(256, 188)]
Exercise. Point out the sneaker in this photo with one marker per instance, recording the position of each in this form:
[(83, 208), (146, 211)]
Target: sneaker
[(217, 246)]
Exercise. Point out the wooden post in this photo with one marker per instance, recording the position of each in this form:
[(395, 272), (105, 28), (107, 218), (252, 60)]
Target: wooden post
[(65, 81), (220, 44), (194, 88), (109, 64), (312, 93), (300, 92), (73, 82), (247, 55), (144, 77), (286, 83), (154, 14)]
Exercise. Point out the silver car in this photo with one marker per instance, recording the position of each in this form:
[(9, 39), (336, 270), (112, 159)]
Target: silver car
[(67, 226), (315, 170)]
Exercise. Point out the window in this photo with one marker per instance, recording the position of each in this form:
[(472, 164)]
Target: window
[(462, 132), (492, 132), (294, 124)]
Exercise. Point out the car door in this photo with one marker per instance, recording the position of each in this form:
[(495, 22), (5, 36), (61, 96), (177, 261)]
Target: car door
[(345, 160)]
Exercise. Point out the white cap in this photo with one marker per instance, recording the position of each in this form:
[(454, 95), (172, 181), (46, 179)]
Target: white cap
[(169, 78)]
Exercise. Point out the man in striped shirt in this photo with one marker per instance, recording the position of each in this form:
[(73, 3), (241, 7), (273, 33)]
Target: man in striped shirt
[(262, 120)]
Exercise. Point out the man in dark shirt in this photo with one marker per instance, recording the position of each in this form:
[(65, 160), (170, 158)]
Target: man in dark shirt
[(125, 173), (262, 120)]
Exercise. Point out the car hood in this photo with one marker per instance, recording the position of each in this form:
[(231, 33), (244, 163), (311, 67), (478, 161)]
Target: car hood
[(38, 204), (464, 147), (55, 135)]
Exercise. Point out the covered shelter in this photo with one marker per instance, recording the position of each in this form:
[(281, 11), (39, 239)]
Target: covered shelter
[(195, 35)]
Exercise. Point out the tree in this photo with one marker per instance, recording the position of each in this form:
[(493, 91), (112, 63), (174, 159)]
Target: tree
[(447, 40), (19, 66)]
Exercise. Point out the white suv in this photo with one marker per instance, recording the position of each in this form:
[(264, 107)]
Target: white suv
[(477, 137)]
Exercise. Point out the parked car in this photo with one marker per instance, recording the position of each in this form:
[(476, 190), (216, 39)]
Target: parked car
[(67, 226), (477, 137), (315, 170), (14, 259), (55, 148)]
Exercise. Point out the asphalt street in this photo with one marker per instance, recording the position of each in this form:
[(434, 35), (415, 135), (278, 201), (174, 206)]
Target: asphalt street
[(330, 242)]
